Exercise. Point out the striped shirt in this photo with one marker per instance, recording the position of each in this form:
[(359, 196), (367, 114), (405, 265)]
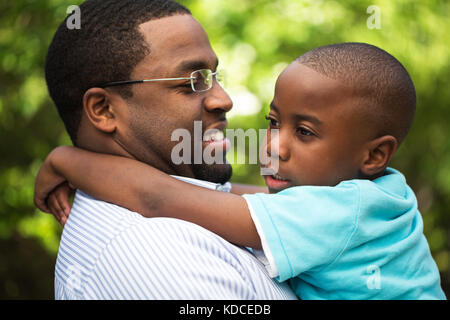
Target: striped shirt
[(109, 252)]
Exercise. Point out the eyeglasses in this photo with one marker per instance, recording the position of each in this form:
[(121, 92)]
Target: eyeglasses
[(201, 80)]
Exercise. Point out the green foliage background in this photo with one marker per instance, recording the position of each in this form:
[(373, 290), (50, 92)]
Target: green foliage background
[(255, 37)]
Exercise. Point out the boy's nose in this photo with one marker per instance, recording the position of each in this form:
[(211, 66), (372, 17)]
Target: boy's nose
[(217, 100), (278, 145)]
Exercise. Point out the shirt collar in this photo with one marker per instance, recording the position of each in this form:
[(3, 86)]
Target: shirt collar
[(394, 181), (226, 187)]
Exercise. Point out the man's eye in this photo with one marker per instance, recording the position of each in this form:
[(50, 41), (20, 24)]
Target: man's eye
[(304, 132), (184, 88)]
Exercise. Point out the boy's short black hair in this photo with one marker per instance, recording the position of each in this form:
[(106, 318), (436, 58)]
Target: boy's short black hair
[(383, 86), (106, 48)]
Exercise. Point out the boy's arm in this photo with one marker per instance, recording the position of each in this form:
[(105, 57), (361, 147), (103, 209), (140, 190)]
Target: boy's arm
[(142, 188), (240, 189)]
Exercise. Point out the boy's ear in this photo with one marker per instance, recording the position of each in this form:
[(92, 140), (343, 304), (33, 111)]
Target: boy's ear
[(380, 153), (98, 110)]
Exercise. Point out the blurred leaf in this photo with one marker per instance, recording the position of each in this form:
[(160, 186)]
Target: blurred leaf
[(254, 40)]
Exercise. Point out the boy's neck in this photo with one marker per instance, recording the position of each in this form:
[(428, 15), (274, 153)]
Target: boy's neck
[(372, 177)]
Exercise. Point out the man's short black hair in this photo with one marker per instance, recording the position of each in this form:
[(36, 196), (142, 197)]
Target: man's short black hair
[(106, 48), (386, 91)]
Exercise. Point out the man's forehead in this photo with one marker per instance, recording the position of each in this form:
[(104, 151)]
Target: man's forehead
[(177, 44)]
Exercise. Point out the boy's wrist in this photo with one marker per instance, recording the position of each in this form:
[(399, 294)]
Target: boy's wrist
[(56, 157)]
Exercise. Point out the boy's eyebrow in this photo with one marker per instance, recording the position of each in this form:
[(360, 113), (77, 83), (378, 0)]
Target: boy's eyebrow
[(274, 107), (299, 116), (309, 118)]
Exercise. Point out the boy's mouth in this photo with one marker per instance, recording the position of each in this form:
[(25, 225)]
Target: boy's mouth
[(278, 177), (277, 182)]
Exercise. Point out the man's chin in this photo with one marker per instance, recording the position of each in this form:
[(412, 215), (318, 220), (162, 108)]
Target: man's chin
[(217, 173)]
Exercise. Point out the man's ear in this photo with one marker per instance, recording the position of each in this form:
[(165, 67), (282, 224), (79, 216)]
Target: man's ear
[(97, 107), (380, 153)]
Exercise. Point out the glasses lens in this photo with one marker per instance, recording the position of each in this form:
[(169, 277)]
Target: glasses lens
[(202, 80), (221, 78)]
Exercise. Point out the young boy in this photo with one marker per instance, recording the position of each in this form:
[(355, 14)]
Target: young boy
[(338, 222)]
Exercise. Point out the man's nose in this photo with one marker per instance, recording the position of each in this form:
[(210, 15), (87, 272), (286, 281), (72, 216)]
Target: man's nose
[(278, 144), (218, 100)]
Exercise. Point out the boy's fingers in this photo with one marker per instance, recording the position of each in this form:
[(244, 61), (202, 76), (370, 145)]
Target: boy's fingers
[(55, 208), (40, 202), (41, 205), (63, 220), (62, 195)]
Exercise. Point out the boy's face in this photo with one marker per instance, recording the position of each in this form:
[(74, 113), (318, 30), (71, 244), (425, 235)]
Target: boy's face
[(321, 134)]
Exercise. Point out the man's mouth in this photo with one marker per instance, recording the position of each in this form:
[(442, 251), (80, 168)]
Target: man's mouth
[(214, 138), (213, 135)]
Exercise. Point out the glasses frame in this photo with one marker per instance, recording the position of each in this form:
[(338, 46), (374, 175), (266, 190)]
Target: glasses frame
[(119, 83)]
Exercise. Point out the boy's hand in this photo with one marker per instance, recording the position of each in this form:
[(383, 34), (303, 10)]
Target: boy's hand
[(46, 182), (58, 202)]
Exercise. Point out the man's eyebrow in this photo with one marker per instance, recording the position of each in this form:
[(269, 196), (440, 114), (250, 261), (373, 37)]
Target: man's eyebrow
[(192, 65), (299, 116)]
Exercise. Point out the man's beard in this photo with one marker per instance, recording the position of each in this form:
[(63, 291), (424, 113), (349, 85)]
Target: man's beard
[(217, 173)]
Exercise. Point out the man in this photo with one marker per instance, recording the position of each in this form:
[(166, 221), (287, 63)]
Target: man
[(108, 252)]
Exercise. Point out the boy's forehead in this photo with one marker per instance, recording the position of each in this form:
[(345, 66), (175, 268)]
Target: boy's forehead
[(313, 82), (302, 94), (302, 86)]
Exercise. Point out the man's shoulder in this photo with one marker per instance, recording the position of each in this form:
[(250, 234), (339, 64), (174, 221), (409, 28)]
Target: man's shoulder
[(110, 245), (167, 252), (119, 223)]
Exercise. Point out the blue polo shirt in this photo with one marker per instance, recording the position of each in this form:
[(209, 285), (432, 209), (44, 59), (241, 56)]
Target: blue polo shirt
[(361, 239)]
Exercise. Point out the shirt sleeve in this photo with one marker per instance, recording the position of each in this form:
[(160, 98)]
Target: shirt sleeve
[(304, 228), (167, 261)]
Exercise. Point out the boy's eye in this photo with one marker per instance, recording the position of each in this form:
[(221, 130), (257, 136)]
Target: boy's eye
[(273, 122)]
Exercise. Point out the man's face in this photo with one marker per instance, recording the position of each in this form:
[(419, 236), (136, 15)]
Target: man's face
[(321, 133), (178, 46)]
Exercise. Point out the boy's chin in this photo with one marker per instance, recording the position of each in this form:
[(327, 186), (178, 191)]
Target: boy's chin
[(272, 191)]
